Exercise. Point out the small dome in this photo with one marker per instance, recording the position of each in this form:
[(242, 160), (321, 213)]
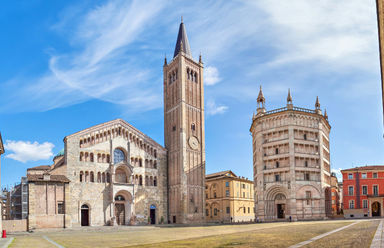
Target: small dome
[(61, 153)]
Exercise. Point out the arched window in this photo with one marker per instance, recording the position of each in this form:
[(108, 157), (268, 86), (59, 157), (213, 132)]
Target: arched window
[(103, 177), (92, 177), (193, 126), (108, 177), (118, 156), (91, 157), (98, 177), (81, 156), (108, 160), (155, 164), (140, 180), (81, 176), (86, 176), (155, 181)]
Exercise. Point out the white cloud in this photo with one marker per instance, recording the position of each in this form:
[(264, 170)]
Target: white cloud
[(24, 151), (338, 33), (213, 109), (102, 63), (338, 174), (211, 75)]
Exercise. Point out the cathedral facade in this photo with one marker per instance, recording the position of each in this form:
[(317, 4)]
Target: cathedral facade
[(113, 174), (291, 162)]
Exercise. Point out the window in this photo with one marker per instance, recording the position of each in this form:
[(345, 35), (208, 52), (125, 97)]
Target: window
[(350, 176), (306, 177), (308, 196), (306, 163), (277, 164), (365, 203), (364, 175), (365, 190), (215, 212), (277, 150), (374, 175), (206, 212), (226, 184), (243, 194), (228, 210), (277, 178), (227, 193), (118, 156), (243, 186), (81, 176), (249, 209), (244, 209), (60, 207), (350, 190), (206, 195), (174, 128), (193, 126), (375, 190), (214, 194), (351, 204), (305, 136)]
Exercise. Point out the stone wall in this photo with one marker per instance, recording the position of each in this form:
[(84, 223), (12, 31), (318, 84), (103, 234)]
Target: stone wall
[(15, 225)]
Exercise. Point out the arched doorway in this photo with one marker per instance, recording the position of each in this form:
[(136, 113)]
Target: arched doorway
[(280, 205), (123, 201), (376, 209), (152, 214), (84, 215), (120, 209)]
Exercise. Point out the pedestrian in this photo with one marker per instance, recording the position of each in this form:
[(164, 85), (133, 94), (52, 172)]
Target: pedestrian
[(290, 218)]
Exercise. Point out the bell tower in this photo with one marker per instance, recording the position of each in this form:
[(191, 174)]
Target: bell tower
[(184, 133)]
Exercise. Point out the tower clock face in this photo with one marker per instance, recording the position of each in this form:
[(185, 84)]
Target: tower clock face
[(193, 142)]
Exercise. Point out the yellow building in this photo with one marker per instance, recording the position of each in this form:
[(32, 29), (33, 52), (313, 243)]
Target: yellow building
[(228, 198)]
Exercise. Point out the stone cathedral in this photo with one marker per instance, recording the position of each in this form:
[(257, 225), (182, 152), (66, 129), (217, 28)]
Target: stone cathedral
[(113, 174)]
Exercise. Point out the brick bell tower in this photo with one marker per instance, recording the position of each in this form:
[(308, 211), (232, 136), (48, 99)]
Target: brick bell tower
[(184, 133)]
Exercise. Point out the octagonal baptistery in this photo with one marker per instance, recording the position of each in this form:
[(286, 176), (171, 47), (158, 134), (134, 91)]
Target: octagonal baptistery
[(291, 162), (117, 174)]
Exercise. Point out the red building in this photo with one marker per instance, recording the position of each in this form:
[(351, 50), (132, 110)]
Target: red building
[(363, 191)]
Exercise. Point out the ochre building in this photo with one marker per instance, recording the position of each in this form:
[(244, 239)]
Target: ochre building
[(363, 193), (229, 198), (291, 162), (113, 174)]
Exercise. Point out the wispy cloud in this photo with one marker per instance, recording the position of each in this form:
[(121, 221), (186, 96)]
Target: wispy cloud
[(101, 64), (211, 75), (25, 151), (113, 47), (213, 109)]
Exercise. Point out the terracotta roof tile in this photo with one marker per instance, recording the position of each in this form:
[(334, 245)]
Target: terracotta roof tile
[(40, 167), (53, 178), (367, 167)]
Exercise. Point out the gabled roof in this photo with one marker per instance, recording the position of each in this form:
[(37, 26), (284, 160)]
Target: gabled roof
[(111, 123), (40, 167), (1, 145), (227, 173), (52, 178), (367, 167), (182, 39)]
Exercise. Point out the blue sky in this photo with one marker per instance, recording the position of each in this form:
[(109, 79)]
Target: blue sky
[(68, 65)]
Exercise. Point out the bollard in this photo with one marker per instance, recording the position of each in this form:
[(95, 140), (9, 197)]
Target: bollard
[(4, 234)]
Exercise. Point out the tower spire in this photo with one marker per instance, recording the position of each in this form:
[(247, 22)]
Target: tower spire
[(260, 101), (317, 104), (289, 97), (182, 39), (325, 114)]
